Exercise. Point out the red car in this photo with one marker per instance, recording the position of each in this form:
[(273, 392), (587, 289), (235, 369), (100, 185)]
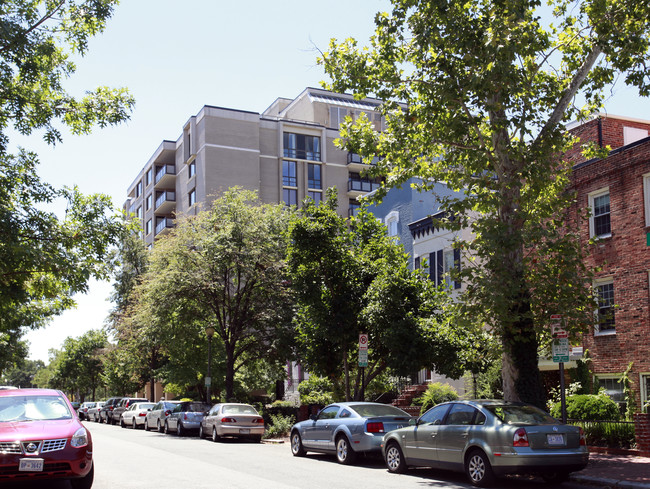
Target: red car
[(42, 438)]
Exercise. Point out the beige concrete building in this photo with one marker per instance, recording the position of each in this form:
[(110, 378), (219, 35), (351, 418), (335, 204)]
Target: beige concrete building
[(286, 153)]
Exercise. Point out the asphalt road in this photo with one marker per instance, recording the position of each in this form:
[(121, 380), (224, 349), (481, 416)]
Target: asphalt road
[(128, 459)]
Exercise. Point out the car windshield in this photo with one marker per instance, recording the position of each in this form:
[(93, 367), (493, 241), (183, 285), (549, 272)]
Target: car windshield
[(239, 410), (529, 415), (369, 410), (33, 408), (195, 407)]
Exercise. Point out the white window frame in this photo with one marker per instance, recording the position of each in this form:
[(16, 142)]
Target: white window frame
[(592, 228), (607, 332), (646, 198), (392, 219), (446, 270), (645, 395)]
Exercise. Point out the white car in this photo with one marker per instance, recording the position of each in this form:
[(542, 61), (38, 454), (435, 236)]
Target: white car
[(134, 415), (231, 419)]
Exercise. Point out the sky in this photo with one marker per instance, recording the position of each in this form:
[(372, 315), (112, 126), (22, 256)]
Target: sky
[(175, 57)]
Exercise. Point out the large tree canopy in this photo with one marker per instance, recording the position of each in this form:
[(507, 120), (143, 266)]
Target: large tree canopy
[(45, 258), (476, 94)]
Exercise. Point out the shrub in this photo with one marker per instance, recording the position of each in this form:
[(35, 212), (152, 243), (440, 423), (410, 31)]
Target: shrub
[(435, 394), (316, 390), (280, 426), (588, 407)]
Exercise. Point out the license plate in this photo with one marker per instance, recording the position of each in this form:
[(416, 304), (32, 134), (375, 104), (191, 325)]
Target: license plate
[(555, 439), (244, 431), (31, 465)]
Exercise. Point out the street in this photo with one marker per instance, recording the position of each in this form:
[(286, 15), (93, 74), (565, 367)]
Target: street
[(127, 459)]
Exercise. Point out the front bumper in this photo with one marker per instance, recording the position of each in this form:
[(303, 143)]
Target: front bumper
[(65, 464)]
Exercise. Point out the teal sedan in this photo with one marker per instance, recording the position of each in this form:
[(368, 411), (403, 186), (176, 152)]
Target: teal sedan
[(486, 439)]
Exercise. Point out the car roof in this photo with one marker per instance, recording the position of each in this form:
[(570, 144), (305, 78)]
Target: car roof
[(30, 392)]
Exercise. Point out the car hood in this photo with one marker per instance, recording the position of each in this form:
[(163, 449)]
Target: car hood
[(29, 430)]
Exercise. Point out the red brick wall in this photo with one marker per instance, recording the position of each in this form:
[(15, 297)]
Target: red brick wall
[(624, 257), (642, 431)]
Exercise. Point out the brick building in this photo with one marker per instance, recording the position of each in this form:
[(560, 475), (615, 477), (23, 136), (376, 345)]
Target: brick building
[(617, 191)]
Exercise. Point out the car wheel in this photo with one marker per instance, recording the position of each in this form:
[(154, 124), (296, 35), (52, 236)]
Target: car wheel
[(297, 449), (85, 482), (555, 477), (180, 431), (395, 459), (201, 434), (122, 423), (215, 435), (166, 430), (344, 453), (146, 425), (133, 425), (158, 427), (478, 469)]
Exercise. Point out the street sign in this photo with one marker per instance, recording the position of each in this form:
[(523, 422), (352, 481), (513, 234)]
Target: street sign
[(363, 358), (561, 350), (363, 341), (557, 327)]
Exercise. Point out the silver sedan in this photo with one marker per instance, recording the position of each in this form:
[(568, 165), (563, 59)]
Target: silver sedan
[(232, 419), (486, 439), (346, 429)]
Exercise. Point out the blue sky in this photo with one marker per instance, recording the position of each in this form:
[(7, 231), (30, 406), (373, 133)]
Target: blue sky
[(176, 57)]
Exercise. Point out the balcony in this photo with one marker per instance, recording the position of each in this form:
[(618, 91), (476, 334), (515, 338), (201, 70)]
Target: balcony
[(166, 202), (356, 162), (164, 224), (358, 187), (165, 176)]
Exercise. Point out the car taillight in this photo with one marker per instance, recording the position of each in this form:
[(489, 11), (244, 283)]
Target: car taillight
[(228, 420), (520, 439), (375, 427), (142, 414), (583, 440), (258, 420), (168, 412)]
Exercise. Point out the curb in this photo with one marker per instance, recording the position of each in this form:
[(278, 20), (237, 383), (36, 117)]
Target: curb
[(609, 483)]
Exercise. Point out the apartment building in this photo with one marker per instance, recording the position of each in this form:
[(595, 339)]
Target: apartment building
[(286, 154), (617, 191)]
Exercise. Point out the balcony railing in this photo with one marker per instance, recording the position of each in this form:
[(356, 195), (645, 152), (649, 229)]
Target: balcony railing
[(168, 196), (357, 159), (165, 170), (163, 224)]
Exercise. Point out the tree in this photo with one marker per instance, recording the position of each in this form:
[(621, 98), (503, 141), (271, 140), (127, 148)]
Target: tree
[(476, 94), (46, 259), (351, 278), (78, 367), (22, 374), (224, 268)]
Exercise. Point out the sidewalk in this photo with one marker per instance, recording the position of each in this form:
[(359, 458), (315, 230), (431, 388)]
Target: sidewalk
[(615, 471)]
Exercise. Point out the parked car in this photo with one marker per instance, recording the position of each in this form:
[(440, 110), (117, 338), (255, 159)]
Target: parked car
[(185, 417), (238, 420), (123, 405), (42, 438), (155, 419), (107, 409), (93, 412), (486, 439), (135, 414), (83, 409), (5, 387), (346, 429)]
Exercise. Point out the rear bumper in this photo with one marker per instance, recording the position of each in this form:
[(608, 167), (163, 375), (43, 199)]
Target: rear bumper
[(236, 431), (540, 463), (367, 442)]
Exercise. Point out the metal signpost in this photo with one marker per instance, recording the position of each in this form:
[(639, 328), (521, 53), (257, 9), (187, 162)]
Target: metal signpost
[(560, 354), (363, 360)]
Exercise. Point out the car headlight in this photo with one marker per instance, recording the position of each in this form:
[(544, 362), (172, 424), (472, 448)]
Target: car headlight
[(80, 438)]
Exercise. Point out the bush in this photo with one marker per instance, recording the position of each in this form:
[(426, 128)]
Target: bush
[(588, 407), (280, 426), (611, 435), (316, 390), (435, 394)]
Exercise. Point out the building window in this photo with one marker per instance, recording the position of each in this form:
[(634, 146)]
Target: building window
[(315, 196), (191, 197), (337, 116), (290, 196), (139, 213), (605, 320), (362, 184), (646, 198), (599, 222), (148, 177), (191, 171), (301, 146), (289, 178), (148, 202), (391, 223), (613, 388), (138, 189), (353, 208), (314, 179), (148, 227)]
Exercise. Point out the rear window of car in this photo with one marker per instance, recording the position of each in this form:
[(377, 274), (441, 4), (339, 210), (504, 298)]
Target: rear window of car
[(239, 410), (195, 407), (33, 408), (528, 415), (368, 410)]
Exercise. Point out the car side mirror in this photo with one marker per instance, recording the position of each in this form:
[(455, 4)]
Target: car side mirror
[(413, 421)]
